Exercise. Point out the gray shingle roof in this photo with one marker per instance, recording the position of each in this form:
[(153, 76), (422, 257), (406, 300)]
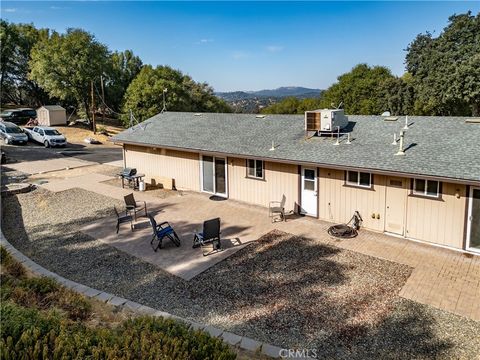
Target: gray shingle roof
[(445, 147)]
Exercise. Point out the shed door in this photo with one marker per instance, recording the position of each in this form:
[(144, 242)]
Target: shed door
[(395, 203)]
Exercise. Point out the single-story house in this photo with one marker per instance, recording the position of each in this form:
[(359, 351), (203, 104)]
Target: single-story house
[(427, 190), (49, 115)]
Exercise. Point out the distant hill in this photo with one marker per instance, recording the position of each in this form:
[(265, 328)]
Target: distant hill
[(254, 101)]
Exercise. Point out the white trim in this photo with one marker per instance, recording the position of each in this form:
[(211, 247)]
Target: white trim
[(357, 184), (425, 193), (255, 169), (225, 195), (302, 189), (469, 220)]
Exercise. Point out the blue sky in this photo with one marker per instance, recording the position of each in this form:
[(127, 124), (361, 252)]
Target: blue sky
[(250, 45)]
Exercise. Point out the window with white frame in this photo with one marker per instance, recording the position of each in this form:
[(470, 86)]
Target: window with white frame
[(255, 169), (359, 179), (423, 187)]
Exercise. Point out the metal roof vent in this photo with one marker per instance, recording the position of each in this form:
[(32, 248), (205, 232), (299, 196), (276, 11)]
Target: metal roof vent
[(391, 118), (473, 121), (260, 116), (197, 114)]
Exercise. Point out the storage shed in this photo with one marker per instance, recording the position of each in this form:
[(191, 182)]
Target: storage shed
[(49, 115)]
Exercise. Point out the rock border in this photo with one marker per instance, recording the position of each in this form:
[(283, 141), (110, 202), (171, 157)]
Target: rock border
[(242, 342)]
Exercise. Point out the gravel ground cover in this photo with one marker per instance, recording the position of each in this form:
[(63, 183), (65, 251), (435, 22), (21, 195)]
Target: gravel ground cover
[(285, 290)]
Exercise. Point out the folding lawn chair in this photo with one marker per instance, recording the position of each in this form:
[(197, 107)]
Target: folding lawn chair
[(162, 230), (209, 235)]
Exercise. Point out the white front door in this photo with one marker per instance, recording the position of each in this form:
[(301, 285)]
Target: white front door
[(473, 224), (309, 191)]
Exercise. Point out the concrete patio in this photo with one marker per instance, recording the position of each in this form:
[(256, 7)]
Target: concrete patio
[(443, 278)]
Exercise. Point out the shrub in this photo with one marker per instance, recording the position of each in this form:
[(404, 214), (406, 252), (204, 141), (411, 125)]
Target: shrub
[(40, 285), (5, 257), (29, 334), (76, 305), (15, 269)]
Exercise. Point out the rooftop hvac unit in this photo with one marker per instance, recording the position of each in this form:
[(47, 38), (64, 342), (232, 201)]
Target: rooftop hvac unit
[(327, 120)]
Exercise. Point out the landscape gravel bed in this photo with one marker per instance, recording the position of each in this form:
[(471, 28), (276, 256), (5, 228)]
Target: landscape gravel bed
[(282, 289)]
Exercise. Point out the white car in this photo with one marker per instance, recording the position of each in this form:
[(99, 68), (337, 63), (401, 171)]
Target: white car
[(48, 136)]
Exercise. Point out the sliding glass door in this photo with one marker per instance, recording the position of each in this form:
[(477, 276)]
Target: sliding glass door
[(473, 224), (214, 175)]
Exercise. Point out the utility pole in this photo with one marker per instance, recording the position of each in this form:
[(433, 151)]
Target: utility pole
[(93, 109), (103, 99)]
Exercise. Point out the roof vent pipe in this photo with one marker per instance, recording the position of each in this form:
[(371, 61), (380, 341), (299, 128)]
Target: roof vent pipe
[(401, 152), (348, 139), (338, 136), (273, 146), (394, 139), (406, 123)]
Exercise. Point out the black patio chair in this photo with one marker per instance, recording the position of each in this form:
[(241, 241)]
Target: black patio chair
[(123, 219), (162, 230), (209, 235), (135, 206)]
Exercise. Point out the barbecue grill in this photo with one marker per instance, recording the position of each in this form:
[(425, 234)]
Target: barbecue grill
[(130, 174)]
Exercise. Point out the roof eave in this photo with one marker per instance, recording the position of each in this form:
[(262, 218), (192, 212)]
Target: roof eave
[(305, 163)]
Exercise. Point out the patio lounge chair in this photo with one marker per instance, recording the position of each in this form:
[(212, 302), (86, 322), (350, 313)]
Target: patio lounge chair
[(209, 235), (161, 231), (123, 219), (135, 206), (277, 209)]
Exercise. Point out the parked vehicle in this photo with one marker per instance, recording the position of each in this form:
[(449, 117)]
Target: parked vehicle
[(12, 134), (45, 135), (18, 116)]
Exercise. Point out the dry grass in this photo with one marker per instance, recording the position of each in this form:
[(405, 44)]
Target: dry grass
[(77, 134)]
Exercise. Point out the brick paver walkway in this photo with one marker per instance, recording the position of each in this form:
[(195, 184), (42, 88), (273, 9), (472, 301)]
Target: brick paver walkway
[(443, 278)]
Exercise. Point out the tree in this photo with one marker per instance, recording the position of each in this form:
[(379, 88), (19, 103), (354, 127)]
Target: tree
[(144, 94), (65, 65), (446, 69), (123, 68), (359, 90), (17, 41), (293, 105), (397, 95)]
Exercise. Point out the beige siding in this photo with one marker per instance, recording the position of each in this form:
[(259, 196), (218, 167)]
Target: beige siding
[(280, 179), (51, 117), (338, 202), (181, 166), (57, 117), (438, 221)]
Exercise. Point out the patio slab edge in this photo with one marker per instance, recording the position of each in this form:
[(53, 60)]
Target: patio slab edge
[(242, 342)]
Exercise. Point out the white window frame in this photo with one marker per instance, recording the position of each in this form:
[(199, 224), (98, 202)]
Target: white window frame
[(255, 169), (425, 193), (357, 184)]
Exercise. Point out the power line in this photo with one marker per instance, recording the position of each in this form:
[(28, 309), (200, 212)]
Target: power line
[(108, 107)]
